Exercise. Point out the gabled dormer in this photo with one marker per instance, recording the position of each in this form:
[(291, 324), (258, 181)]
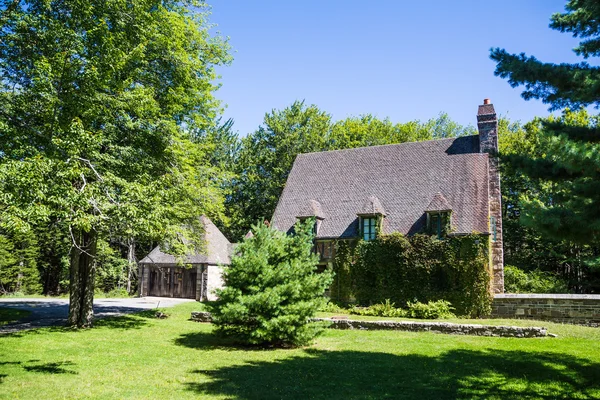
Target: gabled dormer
[(312, 209), (439, 216), (370, 218)]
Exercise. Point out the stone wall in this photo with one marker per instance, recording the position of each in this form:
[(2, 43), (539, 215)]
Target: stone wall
[(581, 309), (438, 327)]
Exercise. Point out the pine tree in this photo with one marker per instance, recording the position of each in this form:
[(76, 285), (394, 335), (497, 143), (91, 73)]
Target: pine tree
[(571, 162), (272, 288)]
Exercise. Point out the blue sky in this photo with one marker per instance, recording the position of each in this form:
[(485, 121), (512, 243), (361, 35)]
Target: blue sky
[(404, 60)]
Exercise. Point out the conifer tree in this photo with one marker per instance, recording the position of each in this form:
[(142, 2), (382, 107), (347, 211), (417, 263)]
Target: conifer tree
[(571, 162), (272, 288)]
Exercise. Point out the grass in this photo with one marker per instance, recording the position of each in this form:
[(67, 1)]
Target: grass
[(8, 315), (142, 357)]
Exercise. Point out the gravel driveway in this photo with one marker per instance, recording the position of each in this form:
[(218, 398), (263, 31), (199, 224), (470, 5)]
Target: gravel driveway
[(49, 311)]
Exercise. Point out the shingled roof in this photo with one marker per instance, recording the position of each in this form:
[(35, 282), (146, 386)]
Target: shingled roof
[(403, 177), (217, 249)]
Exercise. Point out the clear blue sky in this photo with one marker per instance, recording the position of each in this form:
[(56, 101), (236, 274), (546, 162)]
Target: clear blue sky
[(404, 60)]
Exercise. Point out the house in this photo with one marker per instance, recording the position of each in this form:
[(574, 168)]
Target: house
[(446, 187), (161, 275)]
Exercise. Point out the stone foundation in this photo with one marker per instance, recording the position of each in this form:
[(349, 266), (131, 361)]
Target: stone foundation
[(563, 308)]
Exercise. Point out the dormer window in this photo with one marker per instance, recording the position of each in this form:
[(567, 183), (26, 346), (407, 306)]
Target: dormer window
[(370, 218), (369, 228), (438, 223), (439, 216)]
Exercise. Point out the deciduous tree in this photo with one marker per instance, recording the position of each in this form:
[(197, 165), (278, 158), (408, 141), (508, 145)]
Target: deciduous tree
[(99, 99)]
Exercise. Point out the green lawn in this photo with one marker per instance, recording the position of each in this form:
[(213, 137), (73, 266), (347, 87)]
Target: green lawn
[(8, 315), (147, 358)]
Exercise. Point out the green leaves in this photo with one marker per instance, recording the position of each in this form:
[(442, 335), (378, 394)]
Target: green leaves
[(272, 289)]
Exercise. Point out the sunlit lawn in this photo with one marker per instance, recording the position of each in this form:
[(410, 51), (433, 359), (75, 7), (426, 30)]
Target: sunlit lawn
[(147, 358)]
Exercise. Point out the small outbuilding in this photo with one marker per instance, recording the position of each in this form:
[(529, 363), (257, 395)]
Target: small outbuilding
[(161, 275)]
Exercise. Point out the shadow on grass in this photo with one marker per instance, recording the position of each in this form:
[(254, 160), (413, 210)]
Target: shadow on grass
[(44, 368), (51, 368), (210, 341), (462, 374), (134, 321)]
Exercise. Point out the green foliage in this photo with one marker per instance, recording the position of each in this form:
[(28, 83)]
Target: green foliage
[(102, 105), (421, 268), (528, 247), (18, 269), (386, 309), (569, 162), (332, 308), (440, 309), (272, 289), (535, 281)]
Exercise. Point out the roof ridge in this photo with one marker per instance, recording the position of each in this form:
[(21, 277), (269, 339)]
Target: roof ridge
[(387, 145)]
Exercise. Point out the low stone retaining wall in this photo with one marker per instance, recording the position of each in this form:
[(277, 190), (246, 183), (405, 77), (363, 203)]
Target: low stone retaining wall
[(439, 327), (582, 309), (201, 316)]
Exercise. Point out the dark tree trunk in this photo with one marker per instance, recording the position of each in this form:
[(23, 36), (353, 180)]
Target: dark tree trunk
[(83, 271)]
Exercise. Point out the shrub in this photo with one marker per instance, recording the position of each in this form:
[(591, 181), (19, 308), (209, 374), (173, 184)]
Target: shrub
[(386, 309), (118, 292), (432, 310), (272, 289), (518, 281), (332, 308)]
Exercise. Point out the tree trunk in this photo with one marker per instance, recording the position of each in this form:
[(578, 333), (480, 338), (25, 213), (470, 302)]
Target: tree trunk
[(83, 271), (130, 262)]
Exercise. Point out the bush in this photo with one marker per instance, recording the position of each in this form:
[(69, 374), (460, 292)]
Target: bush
[(386, 309), (518, 281), (432, 310), (272, 289), (118, 292), (332, 308)]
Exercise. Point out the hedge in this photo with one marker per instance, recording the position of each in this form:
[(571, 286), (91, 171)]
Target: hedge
[(414, 268)]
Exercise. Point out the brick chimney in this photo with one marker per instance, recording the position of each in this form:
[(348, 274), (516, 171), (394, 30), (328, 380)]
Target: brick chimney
[(487, 125)]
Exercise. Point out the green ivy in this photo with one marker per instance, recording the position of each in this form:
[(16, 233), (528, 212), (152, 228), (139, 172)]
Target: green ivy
[(415, 268)]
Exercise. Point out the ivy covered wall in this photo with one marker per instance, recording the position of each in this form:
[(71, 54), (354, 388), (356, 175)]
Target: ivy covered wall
[(414, 268)]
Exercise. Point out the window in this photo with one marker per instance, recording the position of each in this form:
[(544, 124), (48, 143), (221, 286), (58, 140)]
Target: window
[(369, 228), (324, 249), (438, 223), (493, 228)]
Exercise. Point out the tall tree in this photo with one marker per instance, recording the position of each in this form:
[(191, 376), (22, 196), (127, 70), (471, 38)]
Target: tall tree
[(570, 161), (525, 245), (266, 159), (99, 99)]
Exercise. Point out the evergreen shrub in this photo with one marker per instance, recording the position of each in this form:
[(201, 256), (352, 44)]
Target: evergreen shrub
[(272, 289)]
